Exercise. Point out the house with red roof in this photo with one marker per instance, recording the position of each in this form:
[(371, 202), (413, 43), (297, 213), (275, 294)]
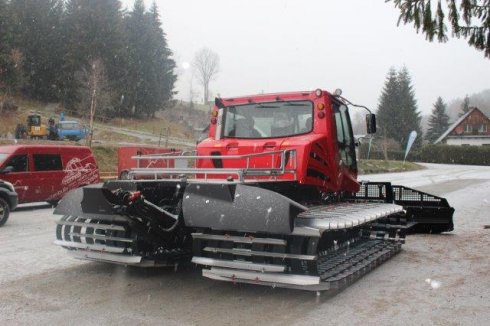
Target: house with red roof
[(473, 128)]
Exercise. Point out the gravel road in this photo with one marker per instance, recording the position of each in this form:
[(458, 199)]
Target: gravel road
[(435, 280)]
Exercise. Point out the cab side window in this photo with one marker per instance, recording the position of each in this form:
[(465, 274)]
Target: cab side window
[(19, 163), (47, 162), (345, 139)]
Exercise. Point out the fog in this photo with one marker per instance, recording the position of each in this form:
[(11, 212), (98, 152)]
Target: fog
[(288, 45)]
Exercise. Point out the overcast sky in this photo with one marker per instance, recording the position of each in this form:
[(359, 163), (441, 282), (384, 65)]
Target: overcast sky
[(291, 45)]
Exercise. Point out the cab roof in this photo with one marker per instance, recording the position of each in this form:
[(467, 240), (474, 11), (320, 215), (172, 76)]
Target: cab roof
[(298, 95)]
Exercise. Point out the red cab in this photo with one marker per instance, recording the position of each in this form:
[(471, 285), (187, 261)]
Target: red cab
[(312, 129)]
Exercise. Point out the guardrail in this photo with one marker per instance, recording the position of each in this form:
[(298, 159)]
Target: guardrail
[(182, 170)]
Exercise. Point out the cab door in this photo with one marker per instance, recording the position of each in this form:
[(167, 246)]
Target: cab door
[(346, 148)]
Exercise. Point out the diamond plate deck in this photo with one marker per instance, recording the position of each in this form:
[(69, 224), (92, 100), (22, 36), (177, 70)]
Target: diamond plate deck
[(345, 215)]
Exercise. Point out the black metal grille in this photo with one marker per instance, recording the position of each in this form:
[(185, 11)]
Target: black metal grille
[(374, 191), (425, 212), (385, 191), (407, 194)]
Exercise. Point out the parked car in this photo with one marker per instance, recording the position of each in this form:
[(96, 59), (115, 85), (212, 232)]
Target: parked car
[(8, 200), (47, 172)]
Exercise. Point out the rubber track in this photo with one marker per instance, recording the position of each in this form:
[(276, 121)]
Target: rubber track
[(344, 266)]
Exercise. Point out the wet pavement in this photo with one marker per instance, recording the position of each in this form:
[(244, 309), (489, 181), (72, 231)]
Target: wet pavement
[(435, 280)]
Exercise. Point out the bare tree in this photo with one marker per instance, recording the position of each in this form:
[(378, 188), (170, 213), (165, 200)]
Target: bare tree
[(93, 81), (206, 68)]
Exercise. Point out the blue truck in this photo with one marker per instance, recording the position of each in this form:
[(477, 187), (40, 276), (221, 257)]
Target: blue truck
[(67, 129)]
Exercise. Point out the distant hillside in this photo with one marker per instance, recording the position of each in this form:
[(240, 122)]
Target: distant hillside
[(176, 122)]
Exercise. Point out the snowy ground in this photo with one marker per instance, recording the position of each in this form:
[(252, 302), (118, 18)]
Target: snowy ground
[(435, 280)]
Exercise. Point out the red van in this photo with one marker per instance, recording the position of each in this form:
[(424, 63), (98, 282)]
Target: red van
[(47, 172)]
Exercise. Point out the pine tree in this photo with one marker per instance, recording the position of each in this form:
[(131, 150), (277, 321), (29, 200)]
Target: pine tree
[(468, 20), (4, 23), (151, 76), (8, 75), (388, 111), (49, 47), (438, 121), (408, 105), (397, 109), (138, 60), (36, 25), (93, 33), (465, 106), (166, 64)]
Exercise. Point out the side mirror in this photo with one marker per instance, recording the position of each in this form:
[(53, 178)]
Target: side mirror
[(7, 169), (219, 103), (371, 123)]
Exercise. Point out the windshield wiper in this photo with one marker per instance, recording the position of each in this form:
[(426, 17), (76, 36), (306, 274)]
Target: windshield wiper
[(262, 106), (296, 104)]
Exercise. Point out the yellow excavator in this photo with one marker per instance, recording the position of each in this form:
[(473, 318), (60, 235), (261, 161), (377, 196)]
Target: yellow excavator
[(34, 130)]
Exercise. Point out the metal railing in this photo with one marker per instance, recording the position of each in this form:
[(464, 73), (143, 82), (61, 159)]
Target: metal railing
[(181, 167)]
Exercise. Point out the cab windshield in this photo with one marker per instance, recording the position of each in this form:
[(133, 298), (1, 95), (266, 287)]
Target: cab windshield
[(266, 120)]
